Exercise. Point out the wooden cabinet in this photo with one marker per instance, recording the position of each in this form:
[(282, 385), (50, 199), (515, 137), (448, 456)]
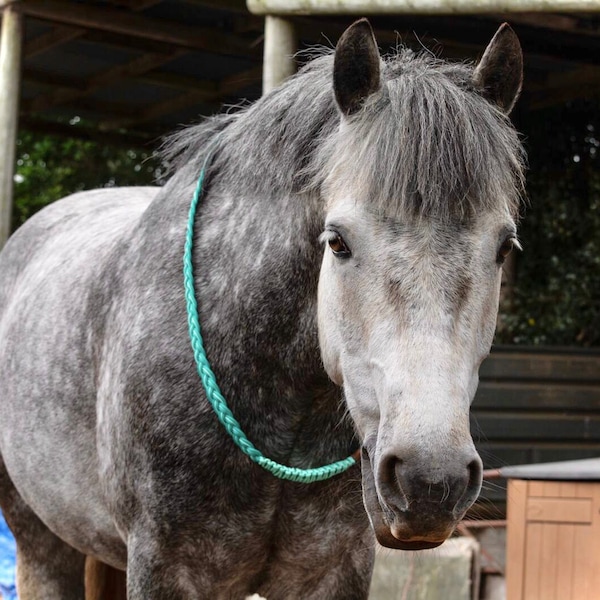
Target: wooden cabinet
[(553, 540)]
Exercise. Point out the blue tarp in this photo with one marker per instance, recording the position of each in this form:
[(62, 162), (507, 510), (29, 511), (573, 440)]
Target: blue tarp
[(8, 550)]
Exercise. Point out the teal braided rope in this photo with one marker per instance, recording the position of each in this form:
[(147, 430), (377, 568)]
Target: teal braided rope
[(209, 381)]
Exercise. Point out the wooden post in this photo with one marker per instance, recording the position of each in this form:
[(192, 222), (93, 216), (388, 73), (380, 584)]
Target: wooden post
[(11, 41), (280, 47)]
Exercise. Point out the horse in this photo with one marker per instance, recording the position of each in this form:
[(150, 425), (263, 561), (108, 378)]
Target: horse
[(347, 255)]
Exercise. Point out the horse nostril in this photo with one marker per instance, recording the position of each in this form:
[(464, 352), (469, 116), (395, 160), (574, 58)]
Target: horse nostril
[(390, 477), (475, 473), (400, 481), (475, 469)]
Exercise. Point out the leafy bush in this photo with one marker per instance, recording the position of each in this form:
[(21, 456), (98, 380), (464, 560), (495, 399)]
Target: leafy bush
[(557, 295), (50, 167)]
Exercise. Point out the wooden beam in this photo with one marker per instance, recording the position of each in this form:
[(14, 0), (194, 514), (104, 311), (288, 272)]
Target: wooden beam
[(137, 66), (226, 87), (53, 80), (287, 8), (228, 5), (120, 21), (389, 31), (136, 5), (575, 24), (54, 37), (238, 81), (388, 35), (11, 47), (61, 35), (177, 82), (127, 42)]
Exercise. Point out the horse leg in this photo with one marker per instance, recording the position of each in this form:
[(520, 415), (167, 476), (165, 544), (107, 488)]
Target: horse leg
[(346, 577), (150, 574), (173, 569), (327, 551), (47, 567), (103, 582)]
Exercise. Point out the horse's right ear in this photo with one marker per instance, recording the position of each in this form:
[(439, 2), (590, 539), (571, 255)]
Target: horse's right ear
[(499, 74), (356, 67)]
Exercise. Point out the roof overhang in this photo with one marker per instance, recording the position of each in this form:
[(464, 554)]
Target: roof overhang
[(422, 7)]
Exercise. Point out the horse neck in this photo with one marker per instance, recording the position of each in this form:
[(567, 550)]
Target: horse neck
[(257, 232), (257, 261), (257, 268)]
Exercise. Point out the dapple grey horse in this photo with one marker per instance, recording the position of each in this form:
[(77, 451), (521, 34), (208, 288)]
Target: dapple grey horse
[(347, 264)]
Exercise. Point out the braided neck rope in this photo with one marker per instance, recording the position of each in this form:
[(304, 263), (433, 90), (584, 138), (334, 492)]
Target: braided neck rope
[(209, 381)]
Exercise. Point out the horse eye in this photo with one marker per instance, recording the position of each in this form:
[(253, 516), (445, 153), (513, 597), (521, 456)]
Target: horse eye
[(338, 246), (505, 250)]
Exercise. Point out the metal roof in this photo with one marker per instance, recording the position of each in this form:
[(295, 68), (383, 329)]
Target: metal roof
[(135, 69), (579, 470)]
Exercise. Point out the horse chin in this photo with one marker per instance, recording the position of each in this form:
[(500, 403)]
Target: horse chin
[(398, 538), (386, 538), (394, 535)]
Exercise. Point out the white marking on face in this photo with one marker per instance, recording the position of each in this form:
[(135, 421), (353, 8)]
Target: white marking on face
[(406, 320)]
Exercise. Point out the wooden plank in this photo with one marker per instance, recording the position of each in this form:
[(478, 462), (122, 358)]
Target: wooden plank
[(231, 5), (537, 395), (584, 562), (552, 489), (136, 66), (563, 584), (47, 41), (541, 450), (136, 5), (567, 489), (127, 23), (516, 537), (533, 561), (584, 490), (519, 365), (55, 80), (228, 86), (177, 81), (559, 510), (549, 561), (536, 488), (61, 35), (594, 549), (551, 22), (536, 426)]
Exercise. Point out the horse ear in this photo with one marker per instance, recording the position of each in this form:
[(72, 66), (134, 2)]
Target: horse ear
[(499, 74), (356, 70)]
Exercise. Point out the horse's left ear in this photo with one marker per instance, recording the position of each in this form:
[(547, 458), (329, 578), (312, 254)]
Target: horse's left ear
[(499, 74), (356, 68)]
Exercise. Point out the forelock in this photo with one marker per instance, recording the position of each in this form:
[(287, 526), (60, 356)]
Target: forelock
[(427, 144)]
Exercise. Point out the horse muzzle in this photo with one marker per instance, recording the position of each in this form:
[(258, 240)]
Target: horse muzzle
[(413, 507)]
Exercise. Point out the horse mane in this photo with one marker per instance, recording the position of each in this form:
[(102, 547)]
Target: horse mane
[(426, 144)]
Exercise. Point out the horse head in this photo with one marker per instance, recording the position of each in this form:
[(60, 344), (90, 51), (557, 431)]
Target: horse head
[(421, 188)]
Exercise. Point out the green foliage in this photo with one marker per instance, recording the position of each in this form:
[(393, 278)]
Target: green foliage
[(50, 167), (557, 296)]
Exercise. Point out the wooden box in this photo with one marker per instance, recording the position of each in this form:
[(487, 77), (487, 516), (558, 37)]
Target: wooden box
[(553, 540)]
